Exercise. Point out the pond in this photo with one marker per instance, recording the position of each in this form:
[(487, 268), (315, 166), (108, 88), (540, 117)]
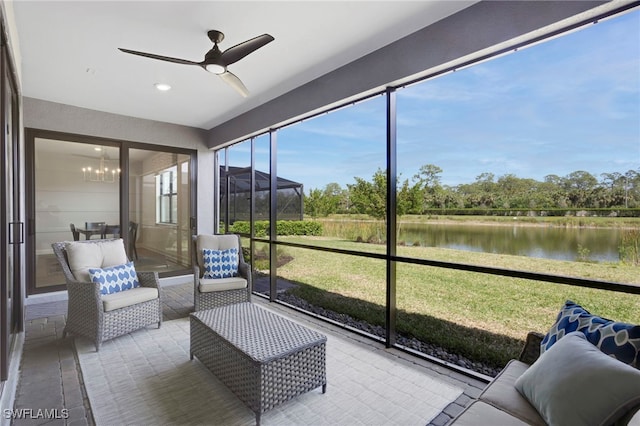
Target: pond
[(595, 244)]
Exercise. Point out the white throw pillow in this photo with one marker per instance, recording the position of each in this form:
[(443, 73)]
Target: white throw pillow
[(575, 383)]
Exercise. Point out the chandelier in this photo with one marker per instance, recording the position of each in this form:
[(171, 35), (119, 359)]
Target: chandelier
[(102, 173)]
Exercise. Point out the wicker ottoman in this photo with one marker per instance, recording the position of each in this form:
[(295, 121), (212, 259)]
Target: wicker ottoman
[(261, 357)]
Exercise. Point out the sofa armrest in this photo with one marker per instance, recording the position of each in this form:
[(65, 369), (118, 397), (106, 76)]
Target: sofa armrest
[(531, 350)]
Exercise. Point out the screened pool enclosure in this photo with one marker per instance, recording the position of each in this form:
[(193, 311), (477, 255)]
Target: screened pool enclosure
[(235, 195)]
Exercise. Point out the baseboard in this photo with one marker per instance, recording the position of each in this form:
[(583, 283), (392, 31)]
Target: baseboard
[(182, 279), (54, 296)]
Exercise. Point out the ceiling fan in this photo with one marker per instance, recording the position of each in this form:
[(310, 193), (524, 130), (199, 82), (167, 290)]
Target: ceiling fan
[(216, 61)]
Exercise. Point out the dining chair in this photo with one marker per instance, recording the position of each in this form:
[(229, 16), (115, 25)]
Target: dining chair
[(113, 230), (133, 235), (76, 233)]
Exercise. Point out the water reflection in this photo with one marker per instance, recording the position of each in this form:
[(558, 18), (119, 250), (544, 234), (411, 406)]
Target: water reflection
[(533, 241)]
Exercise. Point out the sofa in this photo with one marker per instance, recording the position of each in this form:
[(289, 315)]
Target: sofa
[(573, 375)]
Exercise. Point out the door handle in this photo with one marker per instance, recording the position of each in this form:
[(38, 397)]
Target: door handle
[(16, 232)]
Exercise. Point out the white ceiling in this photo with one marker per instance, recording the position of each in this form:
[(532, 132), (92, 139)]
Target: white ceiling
[(69, 50)]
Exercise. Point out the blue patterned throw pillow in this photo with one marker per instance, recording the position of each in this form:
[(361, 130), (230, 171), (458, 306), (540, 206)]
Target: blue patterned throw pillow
[(220, 263), (115, 278), (617, 339)]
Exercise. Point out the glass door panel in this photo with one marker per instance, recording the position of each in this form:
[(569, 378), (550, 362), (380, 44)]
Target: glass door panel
[(12, 228), (159, 206), (76, 188)]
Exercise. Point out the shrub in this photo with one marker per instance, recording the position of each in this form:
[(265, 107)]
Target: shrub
[(283, 227), (583, 253), (630, 247)]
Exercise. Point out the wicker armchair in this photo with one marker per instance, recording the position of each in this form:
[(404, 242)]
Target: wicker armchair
[(100, 318), (531, 350), (212, 292)]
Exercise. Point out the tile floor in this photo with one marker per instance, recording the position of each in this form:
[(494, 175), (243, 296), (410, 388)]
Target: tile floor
[(50, 377)]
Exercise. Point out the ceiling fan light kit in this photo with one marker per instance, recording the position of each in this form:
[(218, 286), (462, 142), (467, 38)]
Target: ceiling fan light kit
[(215, 61), (215, 68)]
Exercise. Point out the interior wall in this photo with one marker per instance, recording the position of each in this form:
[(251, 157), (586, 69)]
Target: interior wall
[(45, 115), (479, 27), (171, 241), (64, 197)]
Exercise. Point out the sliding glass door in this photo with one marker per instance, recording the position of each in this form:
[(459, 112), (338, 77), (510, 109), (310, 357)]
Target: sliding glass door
[(159, 210), (11, 225), (85, 188), (76, 189)]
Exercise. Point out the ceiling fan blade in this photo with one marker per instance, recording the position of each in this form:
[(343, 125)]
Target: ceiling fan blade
[(239, 51), (234, 82), (159, 57)]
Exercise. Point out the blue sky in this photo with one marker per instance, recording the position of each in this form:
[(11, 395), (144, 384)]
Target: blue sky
[(572, 103)]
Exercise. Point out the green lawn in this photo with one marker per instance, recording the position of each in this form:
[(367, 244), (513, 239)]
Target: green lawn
[(481, 316)]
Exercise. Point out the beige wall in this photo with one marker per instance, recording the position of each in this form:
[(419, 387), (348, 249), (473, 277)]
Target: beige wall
[(64, 197), (171, 241)]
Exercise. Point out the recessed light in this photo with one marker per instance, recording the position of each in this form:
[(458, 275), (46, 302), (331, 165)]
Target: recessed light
[(163, 87)]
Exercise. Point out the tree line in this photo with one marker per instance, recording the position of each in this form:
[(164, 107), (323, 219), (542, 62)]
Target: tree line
[(424, 192)]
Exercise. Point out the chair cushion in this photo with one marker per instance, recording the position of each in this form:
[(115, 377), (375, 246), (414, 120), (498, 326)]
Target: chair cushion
[(576, 383), (214, 242), (220, 263), (220, 284), (113, 279), (83, 256), (123, 299), (618, 339)]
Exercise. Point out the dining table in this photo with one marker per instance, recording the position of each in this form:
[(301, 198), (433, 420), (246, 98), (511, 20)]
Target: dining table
[(113, 230)]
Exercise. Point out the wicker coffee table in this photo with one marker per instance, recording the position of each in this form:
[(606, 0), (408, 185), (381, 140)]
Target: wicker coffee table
[(261, 357)]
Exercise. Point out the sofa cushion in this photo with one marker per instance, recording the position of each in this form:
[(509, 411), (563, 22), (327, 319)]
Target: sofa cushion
[(502, 394), (481, 413), (123, 299), (618, 339), (83, 256), (220, 284), (576, 383), (113, 279), (220, 263)]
